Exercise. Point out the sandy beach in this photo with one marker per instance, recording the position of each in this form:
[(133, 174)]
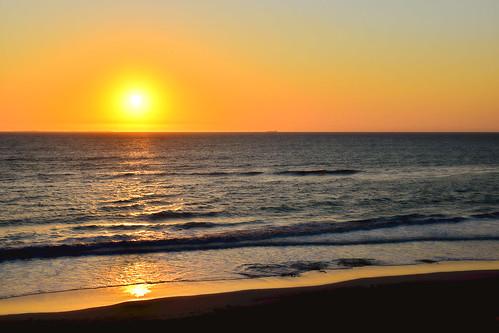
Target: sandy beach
[(451, 299)]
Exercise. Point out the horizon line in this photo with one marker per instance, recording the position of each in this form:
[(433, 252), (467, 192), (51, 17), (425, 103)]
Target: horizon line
[(240, 132)]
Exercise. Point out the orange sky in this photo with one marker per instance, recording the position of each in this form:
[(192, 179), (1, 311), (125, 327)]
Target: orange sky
[(240, 66)]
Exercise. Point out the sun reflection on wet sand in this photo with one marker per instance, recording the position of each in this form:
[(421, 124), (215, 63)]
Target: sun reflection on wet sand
[(138, 290)]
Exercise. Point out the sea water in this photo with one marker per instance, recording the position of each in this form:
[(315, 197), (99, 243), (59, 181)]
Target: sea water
[(93, 210)]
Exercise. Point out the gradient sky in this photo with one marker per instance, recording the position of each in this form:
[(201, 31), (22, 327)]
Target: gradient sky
[(356, 65)]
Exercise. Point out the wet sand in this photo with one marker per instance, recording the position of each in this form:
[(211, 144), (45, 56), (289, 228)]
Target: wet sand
[(451, 299)]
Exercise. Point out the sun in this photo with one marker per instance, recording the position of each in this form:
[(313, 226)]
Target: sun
[(136, 102)]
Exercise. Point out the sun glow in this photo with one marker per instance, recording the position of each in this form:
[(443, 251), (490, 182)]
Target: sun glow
[(138, 102)]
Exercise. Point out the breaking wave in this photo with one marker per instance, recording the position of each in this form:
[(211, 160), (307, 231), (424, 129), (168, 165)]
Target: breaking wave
[(270, 236)]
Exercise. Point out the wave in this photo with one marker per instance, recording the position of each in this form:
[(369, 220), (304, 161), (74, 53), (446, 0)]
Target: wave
[(55, 174), (493, 215), (46, 220), (319, 172), (187, 244), (178, 226), (196, 225), (269, 236), (116, 208), (144, 197), (130, 174), (279, 209), (121, 227), (205, 225), (117, 157), (179, 214), (222, 173)]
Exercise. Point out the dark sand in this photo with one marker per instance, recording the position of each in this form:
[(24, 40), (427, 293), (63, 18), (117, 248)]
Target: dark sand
[(449, 300)]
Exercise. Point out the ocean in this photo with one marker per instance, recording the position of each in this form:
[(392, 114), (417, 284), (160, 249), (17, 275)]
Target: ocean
[(83, 211)]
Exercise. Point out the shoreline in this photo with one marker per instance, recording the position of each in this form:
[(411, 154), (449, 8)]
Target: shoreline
[(94, 301), (444, 299)]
